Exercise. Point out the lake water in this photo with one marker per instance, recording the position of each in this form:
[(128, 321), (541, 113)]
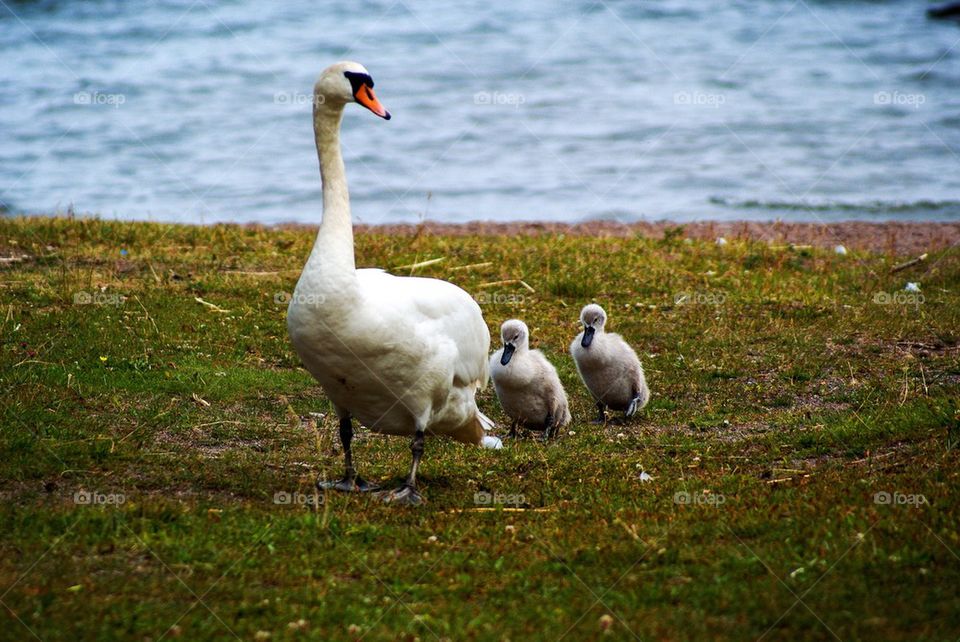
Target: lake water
[(198, 111)]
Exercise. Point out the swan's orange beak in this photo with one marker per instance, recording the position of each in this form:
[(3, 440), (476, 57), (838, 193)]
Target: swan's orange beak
[(368, 99)]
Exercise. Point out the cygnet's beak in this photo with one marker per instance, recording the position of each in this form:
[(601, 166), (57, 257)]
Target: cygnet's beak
[(587, 336), (368, 99), (508, 349)]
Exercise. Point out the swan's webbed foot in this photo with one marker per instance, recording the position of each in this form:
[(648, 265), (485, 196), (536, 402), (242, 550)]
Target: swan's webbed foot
[(405, 495), (349, 484)]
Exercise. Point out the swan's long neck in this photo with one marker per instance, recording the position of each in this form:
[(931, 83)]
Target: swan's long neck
[(332, 253)]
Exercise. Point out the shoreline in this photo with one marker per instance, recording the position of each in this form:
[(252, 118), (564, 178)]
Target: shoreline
[(890, 237)]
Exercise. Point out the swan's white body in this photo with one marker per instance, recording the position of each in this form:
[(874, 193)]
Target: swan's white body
[(393, 352), (402, 355)]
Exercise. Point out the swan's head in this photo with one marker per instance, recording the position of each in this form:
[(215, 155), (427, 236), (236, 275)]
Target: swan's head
[(515, 335), (592, 317), (348, 82)]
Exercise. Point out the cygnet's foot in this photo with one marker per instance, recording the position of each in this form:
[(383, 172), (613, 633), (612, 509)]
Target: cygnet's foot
[(406, 495), (354, 484), (601, 414), (635, 405)]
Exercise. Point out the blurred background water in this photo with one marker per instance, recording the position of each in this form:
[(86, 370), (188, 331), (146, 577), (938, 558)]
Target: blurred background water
[(196, 111)]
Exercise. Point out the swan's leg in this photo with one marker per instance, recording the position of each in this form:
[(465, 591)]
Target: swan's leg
[(548, 428), (601, 413), (407, 493), (351, 482)]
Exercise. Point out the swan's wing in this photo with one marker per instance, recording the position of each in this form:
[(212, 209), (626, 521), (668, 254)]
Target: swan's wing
[(438, 311)]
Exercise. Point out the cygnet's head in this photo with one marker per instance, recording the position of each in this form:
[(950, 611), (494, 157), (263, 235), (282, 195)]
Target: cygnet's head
[(593, 318), (347, 82), (515, 336)]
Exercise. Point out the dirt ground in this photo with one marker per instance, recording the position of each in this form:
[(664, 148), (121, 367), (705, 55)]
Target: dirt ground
[(895, 238)]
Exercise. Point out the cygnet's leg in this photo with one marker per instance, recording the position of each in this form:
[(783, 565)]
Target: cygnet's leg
[(548, 428), (601, 413), (407, 492), (513, 429), (351, 482)]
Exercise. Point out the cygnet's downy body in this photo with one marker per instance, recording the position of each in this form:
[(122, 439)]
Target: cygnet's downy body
[(527, 384), (608, 366)]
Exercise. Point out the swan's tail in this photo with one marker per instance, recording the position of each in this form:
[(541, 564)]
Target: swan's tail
[(486, 423), (488, 441), (474, 431)]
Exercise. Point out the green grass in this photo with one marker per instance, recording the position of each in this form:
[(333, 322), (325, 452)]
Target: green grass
[(784, 399)]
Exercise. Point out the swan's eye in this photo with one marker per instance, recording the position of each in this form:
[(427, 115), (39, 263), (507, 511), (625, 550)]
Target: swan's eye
[(358, 80)]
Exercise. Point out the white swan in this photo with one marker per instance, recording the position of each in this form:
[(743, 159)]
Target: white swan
[(527, 384), (404, 356), (608, 366)]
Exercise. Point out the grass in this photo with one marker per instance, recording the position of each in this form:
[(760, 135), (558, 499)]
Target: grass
[(784, 400)]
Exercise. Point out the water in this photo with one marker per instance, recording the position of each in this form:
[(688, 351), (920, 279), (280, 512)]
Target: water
[(196, 111)]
